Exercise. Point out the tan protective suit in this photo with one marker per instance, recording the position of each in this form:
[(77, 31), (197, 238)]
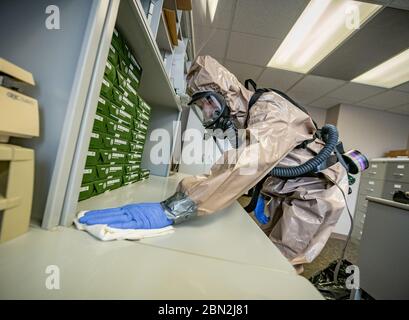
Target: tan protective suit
[(303, 211)]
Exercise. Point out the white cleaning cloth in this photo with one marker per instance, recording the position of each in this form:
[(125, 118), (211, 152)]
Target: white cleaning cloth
[(105, 233)]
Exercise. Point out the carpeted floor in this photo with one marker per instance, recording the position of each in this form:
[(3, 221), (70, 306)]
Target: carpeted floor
[(331, 251)]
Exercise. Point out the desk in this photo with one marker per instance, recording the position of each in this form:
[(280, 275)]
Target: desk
[(229, 234), (225, 256), (383, 254)]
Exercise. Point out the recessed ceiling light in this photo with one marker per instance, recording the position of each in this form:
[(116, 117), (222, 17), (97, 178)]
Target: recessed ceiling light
[(388, 74), (322, 26)]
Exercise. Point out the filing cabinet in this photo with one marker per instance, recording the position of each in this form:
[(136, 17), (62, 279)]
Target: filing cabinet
[(382, 179)]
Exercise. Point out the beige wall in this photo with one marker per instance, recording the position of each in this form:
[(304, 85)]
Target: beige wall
[(371, 131), (317, 114)]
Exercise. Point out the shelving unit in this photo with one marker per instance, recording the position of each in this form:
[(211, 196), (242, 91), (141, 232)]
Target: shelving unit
[(67, 118)]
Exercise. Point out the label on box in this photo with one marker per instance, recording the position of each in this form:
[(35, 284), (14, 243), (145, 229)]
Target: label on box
[(108, 65), (119, 141), (371, 182), (111, 182), (400, 166), (143, 126), (397, 186), (128, 102), (374, 166), (140, 136), (123, 129), (130, 73), (118, 155), (101, 100), (112, 48), (115, 169), (95, 135), (125, 114), (91, 153), (87, 171), (116, 32), (99, 118), (82, 189), (105, 82)]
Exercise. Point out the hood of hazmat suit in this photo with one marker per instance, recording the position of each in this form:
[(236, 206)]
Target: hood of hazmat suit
[(302, 211)]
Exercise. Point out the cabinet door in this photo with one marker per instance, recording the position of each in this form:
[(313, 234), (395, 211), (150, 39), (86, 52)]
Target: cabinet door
[(371, 187), (391, 187), (398, 171), (376, 170)]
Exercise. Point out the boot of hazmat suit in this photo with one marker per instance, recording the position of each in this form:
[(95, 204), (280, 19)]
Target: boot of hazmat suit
[(302, 211)]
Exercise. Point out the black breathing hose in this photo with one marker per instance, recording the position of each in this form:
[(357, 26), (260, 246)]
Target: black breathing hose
[(330, 137)]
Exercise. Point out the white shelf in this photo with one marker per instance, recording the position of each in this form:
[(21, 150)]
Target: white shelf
[(155, 87), (163, 37)]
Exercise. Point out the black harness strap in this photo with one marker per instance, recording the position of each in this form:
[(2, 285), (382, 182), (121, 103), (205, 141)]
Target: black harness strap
[(257, 94)]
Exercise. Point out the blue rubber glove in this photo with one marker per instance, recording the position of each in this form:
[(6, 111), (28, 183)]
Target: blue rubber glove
[(259, 211), (131, 216)]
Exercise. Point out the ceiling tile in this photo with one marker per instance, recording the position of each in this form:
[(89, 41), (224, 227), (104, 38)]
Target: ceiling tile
[(213, 13), (251, 49), (403, 87), (354, 92), (325, 103), (278, 79), (401, 109), (267, 18), (387, 100), (210, 41), (312, 87), (243, 71)]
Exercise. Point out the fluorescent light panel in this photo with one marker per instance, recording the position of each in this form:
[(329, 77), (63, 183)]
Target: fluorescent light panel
[(388, 74), (321, 27)]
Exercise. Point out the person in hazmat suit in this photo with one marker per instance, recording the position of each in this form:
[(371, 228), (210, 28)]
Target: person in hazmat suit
[(300, 212)]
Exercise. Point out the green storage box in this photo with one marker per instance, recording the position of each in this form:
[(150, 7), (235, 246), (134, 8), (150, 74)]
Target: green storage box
[(89, 174), (102, 171), (99, 123), (106, 88), (134, 65), (120, 121), (110, 72), (113, 56), (118, 130), (116, 170), (109, 171), (103, 106), (96, 140), (123, 103), (117, 42), (130, 93), (132, 177), (138, 136), (92, 157), (134, 157), (139, 126), (130, 168), (144, 174), (136, 147), (115, 143), (142, 116), (109, 156), (122, 77), (118, 112), (144, 106), (114, 183), (132, 76), (100, 186), (86, 191)]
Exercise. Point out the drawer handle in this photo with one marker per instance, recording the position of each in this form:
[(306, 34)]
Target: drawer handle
[(398, 174), (369, 189)]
